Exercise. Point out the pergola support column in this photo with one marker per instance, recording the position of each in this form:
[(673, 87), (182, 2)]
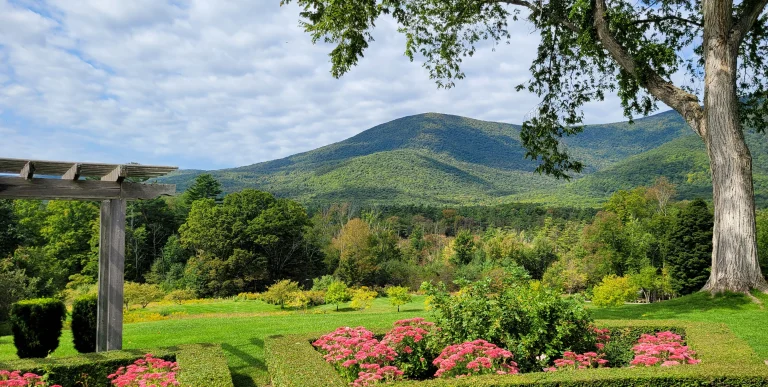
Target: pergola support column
[(109, 315)]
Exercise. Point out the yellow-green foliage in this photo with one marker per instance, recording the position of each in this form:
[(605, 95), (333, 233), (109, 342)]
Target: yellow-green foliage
[(337, 293), (399, 295), (141, 294), (279, 293), (248, 296), (362, 298), (299, 300), (614, 291), (179, 296)]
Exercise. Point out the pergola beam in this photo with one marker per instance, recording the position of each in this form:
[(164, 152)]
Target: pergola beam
[(73, 173), (117, 175), (28, 171), (53, 189)]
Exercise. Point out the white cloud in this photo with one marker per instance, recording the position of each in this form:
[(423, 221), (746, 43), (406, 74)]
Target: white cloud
[(207, 84)]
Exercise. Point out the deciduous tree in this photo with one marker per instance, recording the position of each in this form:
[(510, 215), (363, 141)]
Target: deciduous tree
[(592, 47)]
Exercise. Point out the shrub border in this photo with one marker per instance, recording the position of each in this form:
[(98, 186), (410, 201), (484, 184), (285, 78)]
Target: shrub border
[(200, 364), (726, 361)]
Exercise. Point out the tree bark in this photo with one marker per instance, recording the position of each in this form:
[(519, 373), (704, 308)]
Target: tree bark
[(734, 253)]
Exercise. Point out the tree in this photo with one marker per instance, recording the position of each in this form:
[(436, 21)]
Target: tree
[(691, 242), (463, 247), (362, 298), (141, 294), (204, 187), (9, 235), (280, 292), (337, 293), (399, 295), (587, 49), (614, 291)]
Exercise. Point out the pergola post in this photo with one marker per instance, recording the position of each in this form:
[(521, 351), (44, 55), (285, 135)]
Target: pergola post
[(113, 189), (109, 315)]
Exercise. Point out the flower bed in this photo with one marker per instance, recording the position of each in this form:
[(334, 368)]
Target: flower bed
[(725, 361)]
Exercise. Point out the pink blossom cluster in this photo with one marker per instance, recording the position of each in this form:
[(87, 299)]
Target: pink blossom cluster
[(603, 336), (17, 379), (407, 333), (356, 353), (575, 361), (474, 358), (146, 372), (664, 348), (373, 374)]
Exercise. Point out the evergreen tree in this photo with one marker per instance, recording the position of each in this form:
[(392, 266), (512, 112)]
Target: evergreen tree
[(691, 254), (204, 187), (464, 248)]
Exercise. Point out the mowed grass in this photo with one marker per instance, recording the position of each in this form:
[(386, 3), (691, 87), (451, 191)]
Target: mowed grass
[(240, 327)]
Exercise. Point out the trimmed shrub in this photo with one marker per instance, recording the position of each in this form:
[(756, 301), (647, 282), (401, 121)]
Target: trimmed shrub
[(200, 365), (36, 326), (84, 323)]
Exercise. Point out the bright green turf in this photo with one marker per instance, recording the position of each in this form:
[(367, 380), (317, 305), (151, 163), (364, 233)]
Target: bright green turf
[(242, 326)]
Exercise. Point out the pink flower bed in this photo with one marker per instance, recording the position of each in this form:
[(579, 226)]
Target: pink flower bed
[(663, 349), (17, 379), (147, 372), (474, 358), (575, 361), (409, 340), (358, 355)]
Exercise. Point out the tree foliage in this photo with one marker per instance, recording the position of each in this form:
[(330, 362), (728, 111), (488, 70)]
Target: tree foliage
[(691, 254)]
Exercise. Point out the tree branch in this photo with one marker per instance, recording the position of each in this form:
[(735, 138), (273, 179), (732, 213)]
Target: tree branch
[(752, 11), (533, 7), (685, 103), (669, 17)]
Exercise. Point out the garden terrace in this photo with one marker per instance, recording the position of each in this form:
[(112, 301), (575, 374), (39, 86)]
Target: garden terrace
[(726, 361)]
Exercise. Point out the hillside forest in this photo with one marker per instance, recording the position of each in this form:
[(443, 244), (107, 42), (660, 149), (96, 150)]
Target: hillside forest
[(641, 242)]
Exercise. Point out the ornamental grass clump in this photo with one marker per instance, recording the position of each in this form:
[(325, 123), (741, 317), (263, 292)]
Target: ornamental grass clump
[(474, 358), (146, 372), (410, 339), (663, 349), (17, 379)]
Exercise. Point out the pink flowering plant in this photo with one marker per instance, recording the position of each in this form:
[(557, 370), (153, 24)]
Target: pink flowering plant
[(146, 372), (411, 340), (474, 358), (603, 337), (352, 351), (575, 361), (663, 349), (17, 379), (372, 374)]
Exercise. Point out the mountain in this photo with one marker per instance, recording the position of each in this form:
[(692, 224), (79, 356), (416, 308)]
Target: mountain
[(443, 159)]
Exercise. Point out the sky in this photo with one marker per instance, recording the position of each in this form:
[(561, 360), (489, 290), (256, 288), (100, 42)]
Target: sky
[(217, 84)]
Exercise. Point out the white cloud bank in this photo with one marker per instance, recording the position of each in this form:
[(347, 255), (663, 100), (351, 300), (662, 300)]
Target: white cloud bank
[(213, 84)]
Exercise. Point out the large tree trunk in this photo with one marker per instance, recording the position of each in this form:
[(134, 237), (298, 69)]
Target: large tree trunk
[(734, 249)]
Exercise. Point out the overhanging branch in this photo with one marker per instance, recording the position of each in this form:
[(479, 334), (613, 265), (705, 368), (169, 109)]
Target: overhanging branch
[(669, 17), (752, 11)]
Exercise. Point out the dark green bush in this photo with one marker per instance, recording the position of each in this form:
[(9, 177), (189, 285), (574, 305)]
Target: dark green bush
[(524, 317), (200, 365), (36, 326), (84, 323), (727, 361)]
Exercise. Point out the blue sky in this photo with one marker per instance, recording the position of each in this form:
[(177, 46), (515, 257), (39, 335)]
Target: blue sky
[(214, 84)]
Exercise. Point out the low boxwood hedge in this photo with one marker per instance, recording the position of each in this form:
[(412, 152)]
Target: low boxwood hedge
[(200, 364), (726, 361)]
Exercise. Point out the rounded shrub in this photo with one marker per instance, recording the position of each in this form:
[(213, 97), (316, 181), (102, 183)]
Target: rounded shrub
[(36, 326), (84, 323)]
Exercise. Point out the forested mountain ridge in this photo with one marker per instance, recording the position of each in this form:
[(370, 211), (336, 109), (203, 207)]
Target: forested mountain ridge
[(444, 159)]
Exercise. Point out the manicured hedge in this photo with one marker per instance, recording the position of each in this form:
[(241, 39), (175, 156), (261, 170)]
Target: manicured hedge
[(726, 361), (84, 323), (36, 326), (200, 364)]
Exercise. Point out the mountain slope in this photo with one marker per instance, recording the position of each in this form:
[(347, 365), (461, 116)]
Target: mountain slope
[(442, 159)]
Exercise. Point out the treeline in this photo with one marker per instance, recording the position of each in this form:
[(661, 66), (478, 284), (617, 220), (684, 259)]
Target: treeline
[(640, 242)]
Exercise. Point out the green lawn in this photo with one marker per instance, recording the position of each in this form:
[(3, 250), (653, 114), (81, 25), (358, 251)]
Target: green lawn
[(242, 326)]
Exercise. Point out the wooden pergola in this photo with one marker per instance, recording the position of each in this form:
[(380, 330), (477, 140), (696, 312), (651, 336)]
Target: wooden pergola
[(54, 180)]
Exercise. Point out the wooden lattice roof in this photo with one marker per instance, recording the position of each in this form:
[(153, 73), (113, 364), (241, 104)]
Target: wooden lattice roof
[(98, 170)]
